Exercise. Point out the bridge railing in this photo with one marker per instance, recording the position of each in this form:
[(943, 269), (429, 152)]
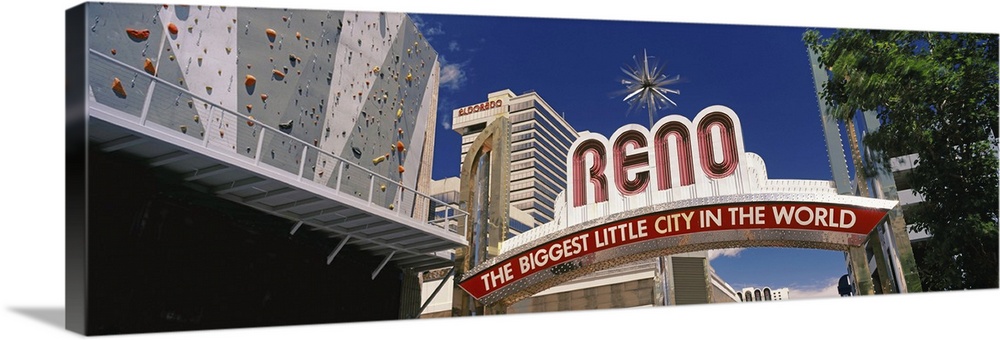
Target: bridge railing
[(155, 101)]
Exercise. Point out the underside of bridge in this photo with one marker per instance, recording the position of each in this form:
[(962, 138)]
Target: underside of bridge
[(171, 258)]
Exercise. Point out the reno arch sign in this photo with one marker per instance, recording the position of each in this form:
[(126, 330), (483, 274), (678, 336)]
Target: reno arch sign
[(682, 186), (678, 159)]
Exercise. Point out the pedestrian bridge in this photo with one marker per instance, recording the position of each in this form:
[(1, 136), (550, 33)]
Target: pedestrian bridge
[(355, 205)]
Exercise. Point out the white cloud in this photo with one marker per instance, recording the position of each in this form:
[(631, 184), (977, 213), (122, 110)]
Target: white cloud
[(428, 29), (445, 118), (434, 30), (445, 105), (730, 252), (453, 46), (452, 75), (800, 293)]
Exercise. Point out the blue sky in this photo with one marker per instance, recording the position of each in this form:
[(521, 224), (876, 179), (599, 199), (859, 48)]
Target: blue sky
[(762, 73)]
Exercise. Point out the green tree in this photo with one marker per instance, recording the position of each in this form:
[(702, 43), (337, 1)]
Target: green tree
[(935, 95)]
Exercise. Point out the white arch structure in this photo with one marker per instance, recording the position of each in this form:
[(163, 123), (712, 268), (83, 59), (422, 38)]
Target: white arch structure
[(683, 186)]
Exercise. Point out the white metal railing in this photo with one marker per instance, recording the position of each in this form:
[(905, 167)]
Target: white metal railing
[(160, 92)]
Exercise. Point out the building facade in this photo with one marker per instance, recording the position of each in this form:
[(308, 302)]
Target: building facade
[(886, 262), (255, 145), (751, 294), (540, 139)]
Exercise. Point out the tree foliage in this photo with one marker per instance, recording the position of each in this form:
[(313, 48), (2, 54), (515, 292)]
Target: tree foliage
[(935, 95)]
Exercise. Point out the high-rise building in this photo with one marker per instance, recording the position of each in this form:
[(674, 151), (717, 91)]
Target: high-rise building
[(887, 256), (540, 139)]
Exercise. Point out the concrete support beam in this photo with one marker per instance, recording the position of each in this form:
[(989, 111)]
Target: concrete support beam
[(329, 259), (382, 265)]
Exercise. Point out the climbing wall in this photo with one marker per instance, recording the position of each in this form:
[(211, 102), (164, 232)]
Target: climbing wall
[(354, 84), (199, 55), (285, 58), (375, 112)]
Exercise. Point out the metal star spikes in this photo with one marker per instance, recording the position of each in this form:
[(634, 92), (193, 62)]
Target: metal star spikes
[(645, 86)]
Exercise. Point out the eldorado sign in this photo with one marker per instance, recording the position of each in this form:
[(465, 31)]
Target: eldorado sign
[(683, 183)]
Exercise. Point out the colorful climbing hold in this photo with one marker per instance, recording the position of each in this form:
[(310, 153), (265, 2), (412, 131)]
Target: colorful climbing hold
[(271, 33), (116, 85), (140, 35), (399, 146), (278, 74), (172, 28), (250, 81), (250, 120), (148, 66), (401, 169), (263, 97)]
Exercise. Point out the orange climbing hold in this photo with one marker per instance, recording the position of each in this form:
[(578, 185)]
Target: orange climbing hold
[(399, 146), (172, 28), (271, 33), (148, 66), (249, 121), (116, 86), (263, 97), (250, 81), (249, 107), (298, 35), (114, 51), (140, 35), (279, 75), (401, 169)]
